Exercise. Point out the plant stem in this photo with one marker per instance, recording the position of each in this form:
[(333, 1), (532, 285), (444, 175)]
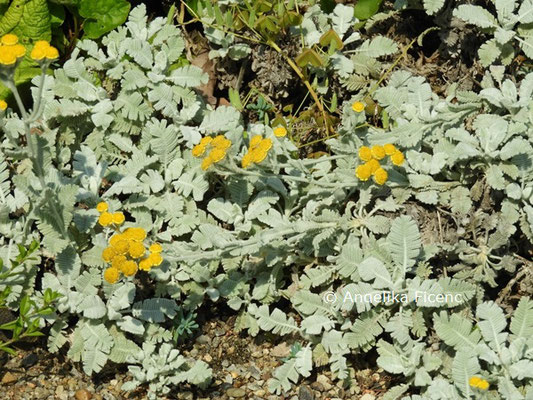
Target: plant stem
[(300, 74)]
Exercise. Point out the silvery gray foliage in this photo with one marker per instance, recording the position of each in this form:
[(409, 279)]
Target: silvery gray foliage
[(512, 23), (119, 123)]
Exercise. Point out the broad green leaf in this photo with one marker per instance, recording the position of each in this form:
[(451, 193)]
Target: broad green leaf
[(101, 16)]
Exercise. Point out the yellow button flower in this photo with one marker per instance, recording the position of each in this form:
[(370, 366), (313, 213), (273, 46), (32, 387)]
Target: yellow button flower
[(365, 154), (156, 248), (105, 219), (397, 158), (280, 131), (52, 53), (265, 145), (380, 176), (108, 254), (259, 155), (136, 249), (206, 140), (138, 234), (198, 150), (129, 268), (102, 207), (118, 218), (254, 142), (7, 56), (363, 172), (220, 142), (145, 265), (10, 39), (378, 152), (155, 259), (389, 149), (206, 163), (111, 275), (116, 238), (3, 105), (217, 154), (483, 385), (358, 106), (122, 246), (374, 165), (19, 50), (474, 381), (118, 261), (247, 160)]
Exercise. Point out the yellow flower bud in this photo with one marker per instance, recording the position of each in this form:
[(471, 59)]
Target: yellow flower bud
[(7, 56), (247, 159), (111, 275), (378, 152), (136, 233), (156, 248), (129, 268), (397, 158), (19, 50), (198, 150), (358, 106), (365, 154), (389, 149), (254, 142), (363, 172), (380, 176), (102, 207), (116, 238), (483, 385), (206, 163), (217, 154), (118, 218), (136, 249), (474, 381), (118, 261), (3, 105), (259, 155), (122, 246), (155, 259), (374, 165), (205, 140), (105, 219), (10, 39), (145, 265), (108, 254), (265, 145), (280, 131), (52, 53)]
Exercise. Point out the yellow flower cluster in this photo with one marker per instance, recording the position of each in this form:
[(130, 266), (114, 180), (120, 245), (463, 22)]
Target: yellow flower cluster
[(106, 218), (257, 151), (10, 50), (126, 252), (42, 50), (478, 382), (3, 105), (216, 147), (372, 167), (358, 106), (280, 131)]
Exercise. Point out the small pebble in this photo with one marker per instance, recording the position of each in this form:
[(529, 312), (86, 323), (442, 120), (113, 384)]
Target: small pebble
[(236, 392), (368, 396), (8, 378), (83, 394), (305, 393)]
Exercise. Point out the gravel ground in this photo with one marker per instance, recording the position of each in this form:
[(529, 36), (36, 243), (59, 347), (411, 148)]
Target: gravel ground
[(241, 368)]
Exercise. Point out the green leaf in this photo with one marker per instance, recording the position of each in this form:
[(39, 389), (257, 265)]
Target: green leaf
[(102, 16), (364, 9), (309, 56), (331, 38), (234, 99)]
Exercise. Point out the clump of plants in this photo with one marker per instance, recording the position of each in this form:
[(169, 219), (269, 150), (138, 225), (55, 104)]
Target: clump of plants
[(148, 203)]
